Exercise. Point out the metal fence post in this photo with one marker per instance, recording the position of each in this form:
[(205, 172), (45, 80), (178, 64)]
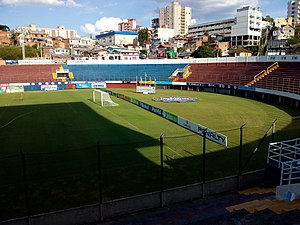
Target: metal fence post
[(26, 187), (240, 156), (161, 171), (100, 183), (273, 131), (204, 162)]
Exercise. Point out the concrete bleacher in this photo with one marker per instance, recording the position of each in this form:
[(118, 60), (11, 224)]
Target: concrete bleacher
[(225, 73), (27, 73), (285, 78), (129, 72)]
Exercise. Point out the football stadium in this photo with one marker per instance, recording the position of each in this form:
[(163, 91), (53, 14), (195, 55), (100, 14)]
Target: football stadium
[(106, 138)]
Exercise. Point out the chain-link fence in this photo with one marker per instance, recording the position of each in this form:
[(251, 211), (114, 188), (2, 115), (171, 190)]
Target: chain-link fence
[(42, 182)]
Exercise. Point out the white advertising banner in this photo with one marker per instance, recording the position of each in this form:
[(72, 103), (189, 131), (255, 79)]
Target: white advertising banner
[(99, 85), (49, 87), (39, 61), (145, 89), (199, 129)]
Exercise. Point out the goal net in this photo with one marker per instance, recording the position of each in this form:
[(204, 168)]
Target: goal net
[(103, 98)]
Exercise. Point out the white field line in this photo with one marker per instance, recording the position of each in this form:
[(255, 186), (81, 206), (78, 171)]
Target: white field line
[(17, 117), (174, 151)]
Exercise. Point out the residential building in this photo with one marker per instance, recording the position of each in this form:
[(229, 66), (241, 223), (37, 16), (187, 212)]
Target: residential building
[(166, 51), (248, 28), (81, 42), (129, 25), (60, 31), (162, 34), (293, 11), (176, 17), (284, 32), (278, 22), (120, 38), (239, 52), (222, 27)]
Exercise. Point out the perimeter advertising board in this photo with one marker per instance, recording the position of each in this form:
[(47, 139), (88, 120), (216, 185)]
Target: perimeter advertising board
[(49, 87), (202, 130)]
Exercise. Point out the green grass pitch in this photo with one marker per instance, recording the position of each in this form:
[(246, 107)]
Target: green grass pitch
[(58, 132)]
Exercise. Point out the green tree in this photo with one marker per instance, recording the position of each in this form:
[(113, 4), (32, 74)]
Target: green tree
[(205, 51), (14, 38), (294, 42), (4, 27), (143, 36)]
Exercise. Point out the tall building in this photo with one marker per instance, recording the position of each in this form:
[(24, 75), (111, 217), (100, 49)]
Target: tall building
[(130, 25), (248, 28), (60, 31), (294, 11), (176, 17)]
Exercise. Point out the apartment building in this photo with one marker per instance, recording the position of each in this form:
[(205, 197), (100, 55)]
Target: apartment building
[(128, 25), (248, 28), (293, 11), (222, 27), (60, 31), (176, 17)]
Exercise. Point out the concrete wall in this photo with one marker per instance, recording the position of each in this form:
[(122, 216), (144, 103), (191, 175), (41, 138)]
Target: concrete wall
[(91, 213)]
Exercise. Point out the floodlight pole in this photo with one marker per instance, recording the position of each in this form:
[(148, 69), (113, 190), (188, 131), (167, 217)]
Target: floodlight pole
[(100, 183), (240, 156), (161, 170), (26, 187), (204, 161)]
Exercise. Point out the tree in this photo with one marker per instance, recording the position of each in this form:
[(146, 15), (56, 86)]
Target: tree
[(143, 36), (14, 38), (204, 51), (294, 42), (4, 28)]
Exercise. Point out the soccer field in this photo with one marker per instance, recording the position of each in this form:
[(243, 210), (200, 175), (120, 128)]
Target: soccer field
[(58, 134)]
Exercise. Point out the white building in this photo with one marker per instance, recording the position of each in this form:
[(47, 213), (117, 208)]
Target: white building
[(81, 42), (284, 32), (248, 28), (163, 34), (60, 31), (294, 11), (222, 27), (176, 17), (119, 38)]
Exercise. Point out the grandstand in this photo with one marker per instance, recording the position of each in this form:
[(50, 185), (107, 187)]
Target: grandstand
[(227, 75), (27, 73)]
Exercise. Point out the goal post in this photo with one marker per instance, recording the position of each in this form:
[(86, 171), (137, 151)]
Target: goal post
[(103, 98)]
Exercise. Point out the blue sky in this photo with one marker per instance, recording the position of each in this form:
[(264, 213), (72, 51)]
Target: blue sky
[(93, 16)]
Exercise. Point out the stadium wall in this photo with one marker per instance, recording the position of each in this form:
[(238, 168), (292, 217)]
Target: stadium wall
[(91, 213)]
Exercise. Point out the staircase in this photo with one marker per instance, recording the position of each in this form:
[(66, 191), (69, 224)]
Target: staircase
[(263, 73), (269, 202), (181, 73)]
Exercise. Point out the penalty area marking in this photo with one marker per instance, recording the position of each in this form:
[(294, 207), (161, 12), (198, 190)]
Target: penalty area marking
[(17, 117)]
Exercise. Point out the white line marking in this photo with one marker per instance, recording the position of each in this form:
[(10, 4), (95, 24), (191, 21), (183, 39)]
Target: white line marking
[(25, 114)]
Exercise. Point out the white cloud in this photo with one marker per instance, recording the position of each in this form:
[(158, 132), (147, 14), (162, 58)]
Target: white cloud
[(193, 21), (67, 3), (103, 24)]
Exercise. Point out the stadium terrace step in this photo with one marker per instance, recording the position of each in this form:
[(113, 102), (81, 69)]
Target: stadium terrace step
[(257, 190)]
